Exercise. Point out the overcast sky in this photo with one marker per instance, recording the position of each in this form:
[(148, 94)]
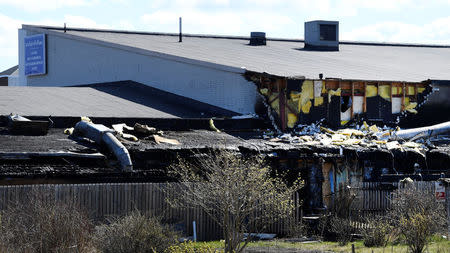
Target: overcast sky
[(412, 21)]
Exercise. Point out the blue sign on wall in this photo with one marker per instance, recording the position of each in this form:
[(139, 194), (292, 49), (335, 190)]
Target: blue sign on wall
[(35, 62)]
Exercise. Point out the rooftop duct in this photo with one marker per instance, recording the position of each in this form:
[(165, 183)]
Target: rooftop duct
[(322, 35), (257, 38)]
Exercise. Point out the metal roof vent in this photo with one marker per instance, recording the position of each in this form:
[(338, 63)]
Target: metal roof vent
[(322, 35), (257, 38)]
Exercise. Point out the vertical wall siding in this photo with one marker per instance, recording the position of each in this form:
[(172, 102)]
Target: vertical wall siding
[(98, 64), (101, 201)]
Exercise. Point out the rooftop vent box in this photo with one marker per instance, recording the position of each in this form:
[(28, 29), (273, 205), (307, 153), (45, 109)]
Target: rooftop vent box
[(257, 38), (322, 35)]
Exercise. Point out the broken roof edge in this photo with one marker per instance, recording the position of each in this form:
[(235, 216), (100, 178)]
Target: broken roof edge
[(298, 77), (237, 37), (136, 50)]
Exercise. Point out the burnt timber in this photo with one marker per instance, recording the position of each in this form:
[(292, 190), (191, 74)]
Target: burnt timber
[(341, 101)]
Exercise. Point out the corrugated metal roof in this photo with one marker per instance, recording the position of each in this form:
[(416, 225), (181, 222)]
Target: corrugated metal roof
[(363, 61), (119, 99)]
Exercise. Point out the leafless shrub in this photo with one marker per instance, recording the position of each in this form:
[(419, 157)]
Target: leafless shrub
[(134, 233), (417, 216), (342, 228), (376, 233), (296, 228), (39, 223), (240, 193), (339, 223)]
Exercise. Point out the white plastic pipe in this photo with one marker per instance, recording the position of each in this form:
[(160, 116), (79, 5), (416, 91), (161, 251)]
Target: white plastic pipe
[(422, 131), (194, 231), (104, 135)]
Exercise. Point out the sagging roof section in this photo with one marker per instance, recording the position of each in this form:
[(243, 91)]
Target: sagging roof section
[(363, 61)]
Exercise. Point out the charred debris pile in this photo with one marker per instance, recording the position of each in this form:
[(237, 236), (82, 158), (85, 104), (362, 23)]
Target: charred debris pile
[(116, 151)]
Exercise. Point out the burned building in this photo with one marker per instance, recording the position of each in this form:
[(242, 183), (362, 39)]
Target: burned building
[(302, 80), (326, 164), (191, 89)]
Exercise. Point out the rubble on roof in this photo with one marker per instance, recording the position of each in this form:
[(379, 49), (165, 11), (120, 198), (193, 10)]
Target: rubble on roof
[(365, 136)]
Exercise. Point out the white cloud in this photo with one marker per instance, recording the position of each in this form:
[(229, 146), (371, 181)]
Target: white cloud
[(125, 25), (187, 4), (437, 31), (225, 22), (45, 5), (8, 40), (9, 34), (80, 21)]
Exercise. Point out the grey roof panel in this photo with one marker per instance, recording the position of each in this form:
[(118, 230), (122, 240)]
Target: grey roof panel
[(118, 99), (9, 71), (288, 58)]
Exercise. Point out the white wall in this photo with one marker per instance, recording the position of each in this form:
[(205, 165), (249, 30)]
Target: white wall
[(13, 81), (22, 78), (73, 62)]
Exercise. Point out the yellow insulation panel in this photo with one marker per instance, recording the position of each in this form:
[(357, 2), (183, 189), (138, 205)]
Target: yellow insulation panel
[(333, 93), (343, 122), (292, 119), (411, 107), (306, 107), (318, 101), (275, 103), (264, 91), (406, 101), (324, 88), (307, 91), (385, 92), (371, 91), (397, 91), (410, 90), (304, 98), (295, 97)]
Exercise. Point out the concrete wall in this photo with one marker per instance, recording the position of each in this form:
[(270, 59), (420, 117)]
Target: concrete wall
[(73, 62)]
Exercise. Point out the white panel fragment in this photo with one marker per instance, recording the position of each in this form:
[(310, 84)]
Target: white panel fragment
[(317, 88), (346, 115), (396, 105), (358, 102)]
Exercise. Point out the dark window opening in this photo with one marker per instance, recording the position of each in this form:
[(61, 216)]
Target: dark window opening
[(346, 103), (328, 32)]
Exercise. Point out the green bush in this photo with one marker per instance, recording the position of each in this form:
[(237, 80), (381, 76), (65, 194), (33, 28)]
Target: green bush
[(134, 233)]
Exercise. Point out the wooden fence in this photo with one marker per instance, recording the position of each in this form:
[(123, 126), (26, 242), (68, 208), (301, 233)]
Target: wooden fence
[(374, 198), (101, 201)]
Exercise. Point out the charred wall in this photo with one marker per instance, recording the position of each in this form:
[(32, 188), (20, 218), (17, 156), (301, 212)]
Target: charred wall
[(304, 101)]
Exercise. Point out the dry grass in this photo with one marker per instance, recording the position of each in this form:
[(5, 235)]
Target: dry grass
[(438, 245), (39, 223)]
